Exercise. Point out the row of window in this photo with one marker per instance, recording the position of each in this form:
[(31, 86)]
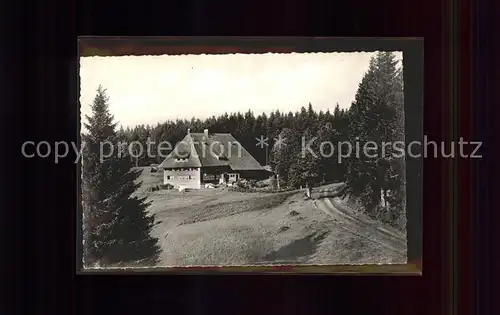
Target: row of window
[(205, 176), (184, 177), (183, 169)]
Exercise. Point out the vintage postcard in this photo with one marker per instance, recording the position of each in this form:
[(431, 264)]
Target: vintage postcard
[(240, 159)]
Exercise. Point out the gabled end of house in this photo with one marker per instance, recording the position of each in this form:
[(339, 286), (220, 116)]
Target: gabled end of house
[(202, 158)]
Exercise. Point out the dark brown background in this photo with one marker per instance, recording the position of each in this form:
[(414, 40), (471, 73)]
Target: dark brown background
[(39, 103), (412, 49)]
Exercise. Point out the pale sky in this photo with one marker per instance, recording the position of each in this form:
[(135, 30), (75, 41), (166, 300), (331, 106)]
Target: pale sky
[(152, 89)]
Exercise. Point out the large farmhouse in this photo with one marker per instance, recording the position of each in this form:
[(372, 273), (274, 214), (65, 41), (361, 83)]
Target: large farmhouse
[(209, 158)]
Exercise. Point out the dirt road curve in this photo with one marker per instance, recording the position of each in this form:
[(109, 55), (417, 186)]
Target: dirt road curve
[(379, 235)]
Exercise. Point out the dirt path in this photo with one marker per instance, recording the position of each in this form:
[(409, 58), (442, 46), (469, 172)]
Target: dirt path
[(357, 227), (356, 241), (382, 231)]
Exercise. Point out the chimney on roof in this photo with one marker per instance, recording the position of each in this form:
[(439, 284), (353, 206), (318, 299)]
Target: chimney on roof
[(205, 133)]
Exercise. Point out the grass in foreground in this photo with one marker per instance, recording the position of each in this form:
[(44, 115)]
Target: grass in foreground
[(217, 227)]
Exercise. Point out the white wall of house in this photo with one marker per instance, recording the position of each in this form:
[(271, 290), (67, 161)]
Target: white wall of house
[(187, 178), (233, 177)]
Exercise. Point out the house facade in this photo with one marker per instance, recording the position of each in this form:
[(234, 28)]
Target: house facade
[(202, 158), (183, 177)]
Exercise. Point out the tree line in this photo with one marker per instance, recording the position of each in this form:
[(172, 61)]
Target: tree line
[(245, 127), (117, 226)]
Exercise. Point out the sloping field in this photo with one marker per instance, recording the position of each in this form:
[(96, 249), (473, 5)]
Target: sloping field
[(242, 238), (215, 227)]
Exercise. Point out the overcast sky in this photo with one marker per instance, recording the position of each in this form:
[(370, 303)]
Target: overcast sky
[(152, 89)]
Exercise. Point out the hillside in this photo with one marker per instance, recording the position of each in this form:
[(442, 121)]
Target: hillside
[(220, 227)]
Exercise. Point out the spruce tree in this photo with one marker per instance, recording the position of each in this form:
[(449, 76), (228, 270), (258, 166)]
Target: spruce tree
[(376, 115), (293, 176), (116, 224), (336, 112), (395, 194), (329, 168), (281, 154), (308, 163)]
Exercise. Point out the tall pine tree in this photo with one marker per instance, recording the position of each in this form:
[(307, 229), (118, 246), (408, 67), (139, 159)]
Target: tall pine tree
[(281, 156), (116, 224), (376, 115)]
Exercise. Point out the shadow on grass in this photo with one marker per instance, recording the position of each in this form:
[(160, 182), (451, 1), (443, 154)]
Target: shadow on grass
[(296, 251)]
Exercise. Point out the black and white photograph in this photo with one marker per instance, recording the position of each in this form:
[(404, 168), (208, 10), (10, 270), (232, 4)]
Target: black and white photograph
[(243, 159)]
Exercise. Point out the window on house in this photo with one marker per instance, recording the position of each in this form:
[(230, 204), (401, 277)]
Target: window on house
[(169, 177)]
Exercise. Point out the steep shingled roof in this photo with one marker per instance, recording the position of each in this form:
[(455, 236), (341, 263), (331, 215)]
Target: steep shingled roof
[(201, 151), (182, 150)]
